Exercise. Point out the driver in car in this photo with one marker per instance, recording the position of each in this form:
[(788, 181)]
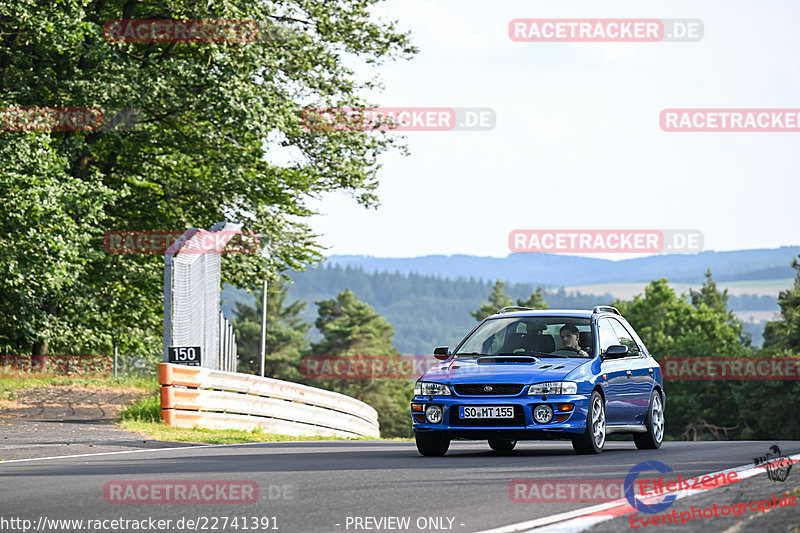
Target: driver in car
[(569, 338)]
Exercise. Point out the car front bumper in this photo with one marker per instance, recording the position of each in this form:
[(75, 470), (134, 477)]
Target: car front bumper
[(521, 427)]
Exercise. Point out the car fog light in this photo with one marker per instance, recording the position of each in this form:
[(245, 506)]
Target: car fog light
[(543, 414), (434, 414)]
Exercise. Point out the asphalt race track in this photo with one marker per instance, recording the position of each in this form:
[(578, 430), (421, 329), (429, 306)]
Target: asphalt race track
[(356, 486)]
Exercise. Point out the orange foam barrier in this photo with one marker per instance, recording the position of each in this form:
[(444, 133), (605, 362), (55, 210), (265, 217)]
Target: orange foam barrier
[(169, 374)]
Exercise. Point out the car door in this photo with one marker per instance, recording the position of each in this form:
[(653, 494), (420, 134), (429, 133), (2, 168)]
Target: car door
[(614, 374), (639, 372)]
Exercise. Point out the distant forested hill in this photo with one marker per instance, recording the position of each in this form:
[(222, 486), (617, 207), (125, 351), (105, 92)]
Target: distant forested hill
[(426, 311), (554, 270), (429, 311)]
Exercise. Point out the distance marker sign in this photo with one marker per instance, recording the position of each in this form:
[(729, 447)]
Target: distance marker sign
[(184, 355)]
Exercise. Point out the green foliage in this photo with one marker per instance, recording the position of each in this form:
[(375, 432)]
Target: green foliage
[(766, 410), (351, 327), (783, 335), (287, 334), (671, 325), (146, 410), (497, 300), (710, 295), (212, 120), (535, 300)]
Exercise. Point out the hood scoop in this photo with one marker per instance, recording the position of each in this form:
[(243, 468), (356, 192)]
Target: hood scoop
[(506, 359), (551, 367)]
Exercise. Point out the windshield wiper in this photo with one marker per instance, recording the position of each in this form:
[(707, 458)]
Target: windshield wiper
[(526, 354), (471, 354)]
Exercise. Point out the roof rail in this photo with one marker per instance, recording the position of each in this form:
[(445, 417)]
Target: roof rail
[(514, 308), (606, 308)]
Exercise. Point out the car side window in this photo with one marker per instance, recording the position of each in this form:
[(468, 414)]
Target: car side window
[(608, 336), (625, 338)]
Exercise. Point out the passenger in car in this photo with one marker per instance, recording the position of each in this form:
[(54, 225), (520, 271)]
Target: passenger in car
[(569, 338)]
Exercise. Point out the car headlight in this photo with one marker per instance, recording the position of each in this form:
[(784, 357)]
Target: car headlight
[(554, 387), (426, 388)]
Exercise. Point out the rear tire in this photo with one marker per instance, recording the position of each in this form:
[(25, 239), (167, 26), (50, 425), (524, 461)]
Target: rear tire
[(654, 422), (502, 445), (432, 444), (594, 438)]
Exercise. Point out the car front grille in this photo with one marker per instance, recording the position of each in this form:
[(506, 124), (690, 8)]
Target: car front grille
[(517, 421), (497, 389)]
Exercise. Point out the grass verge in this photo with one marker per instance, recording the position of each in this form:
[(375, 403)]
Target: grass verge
[(10, 383), (161, 431)]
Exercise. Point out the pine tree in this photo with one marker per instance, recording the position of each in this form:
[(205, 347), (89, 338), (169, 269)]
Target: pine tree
[(535, 301), (784, 334), (710, 295), (497, 300), (351, 328), (287, 334)]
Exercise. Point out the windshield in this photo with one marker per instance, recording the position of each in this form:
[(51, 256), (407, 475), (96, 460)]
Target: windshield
[(554, 336)]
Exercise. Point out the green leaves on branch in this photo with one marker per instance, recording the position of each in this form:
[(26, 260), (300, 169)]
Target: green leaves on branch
[(218, 136)]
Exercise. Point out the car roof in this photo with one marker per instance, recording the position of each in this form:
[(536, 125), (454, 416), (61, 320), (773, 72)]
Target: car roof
[(567, 313)]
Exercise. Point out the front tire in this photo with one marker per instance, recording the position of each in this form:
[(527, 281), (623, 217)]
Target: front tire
[(654, 422), (431, 444), (502, 445), (594, 438)]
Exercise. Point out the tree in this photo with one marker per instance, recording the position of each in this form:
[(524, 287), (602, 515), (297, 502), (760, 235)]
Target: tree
[(710, 295), (535, 301), (287, 334), (497, 300), (351, 327), (765, 408), (783, 335), (212, 120), (670, 325), (717, 301)]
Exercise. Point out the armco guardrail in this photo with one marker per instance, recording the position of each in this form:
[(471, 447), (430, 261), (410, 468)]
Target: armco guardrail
[(200, 397)]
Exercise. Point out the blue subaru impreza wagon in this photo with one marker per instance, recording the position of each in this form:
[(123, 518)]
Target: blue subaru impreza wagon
[(523, 374)]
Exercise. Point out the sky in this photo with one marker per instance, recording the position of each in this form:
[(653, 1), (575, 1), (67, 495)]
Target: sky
[(577, 142)]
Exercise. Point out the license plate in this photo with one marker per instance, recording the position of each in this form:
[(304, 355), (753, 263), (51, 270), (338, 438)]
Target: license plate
[(485, 412)]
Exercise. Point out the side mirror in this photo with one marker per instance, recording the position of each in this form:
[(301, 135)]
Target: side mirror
[(442, 352), (616, 351)]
